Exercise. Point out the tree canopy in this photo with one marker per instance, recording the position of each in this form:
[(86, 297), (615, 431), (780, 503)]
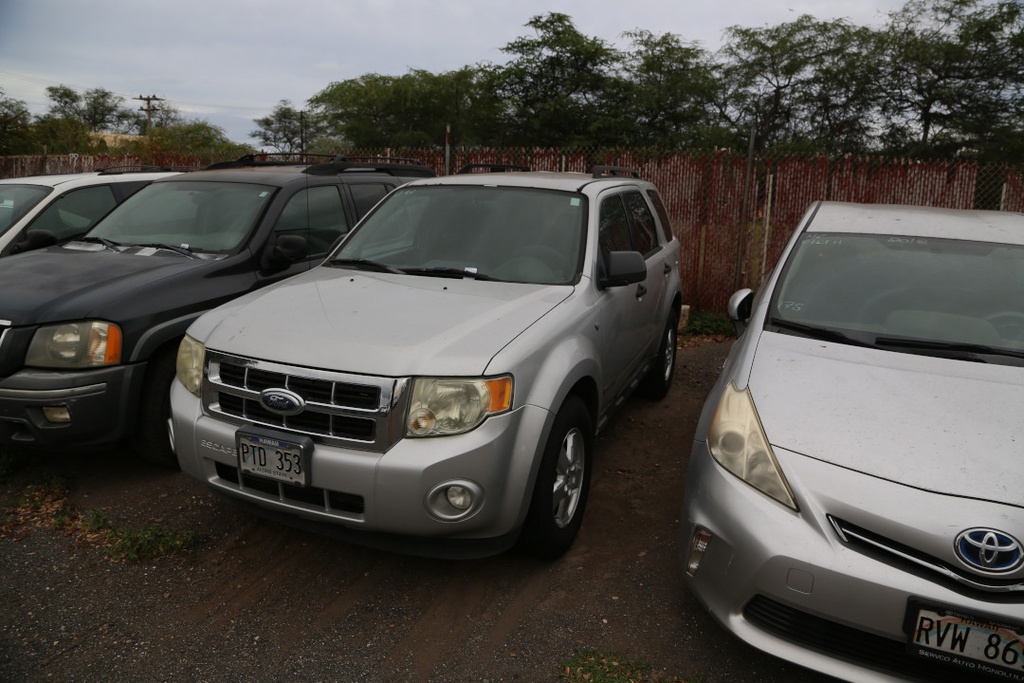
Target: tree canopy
[(939, 78)]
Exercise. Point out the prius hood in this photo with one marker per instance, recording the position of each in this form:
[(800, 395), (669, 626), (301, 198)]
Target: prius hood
[(941, 425), (378, 324)]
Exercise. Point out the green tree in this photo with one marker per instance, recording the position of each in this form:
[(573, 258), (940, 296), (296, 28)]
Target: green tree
[(954, 76), (556, 84), (805, 85), (286, 129), (667, 92), (376, 111), (15, 126), (98, 109)]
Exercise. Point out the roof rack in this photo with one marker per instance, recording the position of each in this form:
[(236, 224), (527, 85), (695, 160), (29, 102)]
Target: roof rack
[(141, 168), (491, 168), (269, 159), (615, 171), (397, 166)]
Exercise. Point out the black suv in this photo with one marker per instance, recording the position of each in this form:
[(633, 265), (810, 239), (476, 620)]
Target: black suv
[(89, 329)]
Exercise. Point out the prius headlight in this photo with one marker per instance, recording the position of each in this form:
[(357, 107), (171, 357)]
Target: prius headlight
[(737, 441), (81, 344), (442, 406)]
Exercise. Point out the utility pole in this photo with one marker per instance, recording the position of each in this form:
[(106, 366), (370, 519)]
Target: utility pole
[(149, 109)]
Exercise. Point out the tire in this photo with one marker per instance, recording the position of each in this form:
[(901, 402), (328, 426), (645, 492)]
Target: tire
[(152, 439), (658, 381), (563, 483)]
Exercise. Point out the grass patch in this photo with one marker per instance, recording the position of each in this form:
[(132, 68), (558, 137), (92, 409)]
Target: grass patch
[(709, 324), (592, 666), (45, 504)]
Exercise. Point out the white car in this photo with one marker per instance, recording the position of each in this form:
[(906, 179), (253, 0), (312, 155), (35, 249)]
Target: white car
[(43, 210)]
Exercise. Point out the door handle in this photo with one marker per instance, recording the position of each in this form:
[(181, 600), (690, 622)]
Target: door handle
[(640, 291)]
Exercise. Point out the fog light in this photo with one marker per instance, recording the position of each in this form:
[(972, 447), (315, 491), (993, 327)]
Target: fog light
[(454, 500), (58, 414), (460, 497), (698, 546)]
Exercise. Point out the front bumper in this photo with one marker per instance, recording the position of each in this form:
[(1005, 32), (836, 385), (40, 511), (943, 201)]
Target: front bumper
[(99, 402), (384, 499), (786, 582)]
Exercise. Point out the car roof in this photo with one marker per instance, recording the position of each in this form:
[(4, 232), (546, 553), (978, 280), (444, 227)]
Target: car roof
[(71, 180), (567, 182), (1004, 227)]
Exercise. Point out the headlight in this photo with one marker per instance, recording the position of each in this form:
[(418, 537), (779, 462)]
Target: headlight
[(445, 406), (189, 365), (84, 344), (737, 441)]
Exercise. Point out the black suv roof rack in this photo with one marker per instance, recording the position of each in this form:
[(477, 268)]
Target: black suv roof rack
[(396, 166), (606, 171), (141, 168), (269, 159), (491, 168)]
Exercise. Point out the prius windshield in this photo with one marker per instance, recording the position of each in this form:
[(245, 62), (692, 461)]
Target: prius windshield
[(892, 289), (487, 233)]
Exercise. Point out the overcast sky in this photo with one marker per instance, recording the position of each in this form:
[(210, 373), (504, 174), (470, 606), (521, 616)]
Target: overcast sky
[(230, 61)]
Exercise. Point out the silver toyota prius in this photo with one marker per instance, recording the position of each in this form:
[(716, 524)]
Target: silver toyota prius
[(855, 495)]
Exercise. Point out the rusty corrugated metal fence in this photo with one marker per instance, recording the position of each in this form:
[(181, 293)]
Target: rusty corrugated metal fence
[(731, 232)]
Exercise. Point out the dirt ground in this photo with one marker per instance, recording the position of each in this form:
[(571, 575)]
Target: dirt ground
[(258, 602)]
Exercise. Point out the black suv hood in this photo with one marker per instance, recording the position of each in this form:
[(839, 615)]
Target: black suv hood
[(65, 284)]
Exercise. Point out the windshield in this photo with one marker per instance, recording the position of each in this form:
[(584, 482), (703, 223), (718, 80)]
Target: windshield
[(493, 233), (200, 216), (892, 291), (17, 200)]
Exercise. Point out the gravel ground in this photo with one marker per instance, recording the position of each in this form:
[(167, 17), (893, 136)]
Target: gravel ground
[(254, 601)]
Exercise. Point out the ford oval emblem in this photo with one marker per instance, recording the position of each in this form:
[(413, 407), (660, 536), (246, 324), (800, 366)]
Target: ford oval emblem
[(282, 401), (989, 550)]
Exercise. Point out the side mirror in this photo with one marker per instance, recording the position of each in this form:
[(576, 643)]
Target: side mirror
[(740, 307), (284, 251), (33, 239), (623, 268)]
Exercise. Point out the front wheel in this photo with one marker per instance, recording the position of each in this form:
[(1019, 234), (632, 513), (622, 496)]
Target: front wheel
[(152, 439), (563, 482)]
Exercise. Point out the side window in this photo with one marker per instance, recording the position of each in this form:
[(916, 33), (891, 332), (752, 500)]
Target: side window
[(366, 195), (613, 227), (666, 224), (76, 212), (645, 238), (317, 214)]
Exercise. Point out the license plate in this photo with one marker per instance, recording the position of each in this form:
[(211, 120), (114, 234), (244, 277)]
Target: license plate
[(973, 642), (274, 456)]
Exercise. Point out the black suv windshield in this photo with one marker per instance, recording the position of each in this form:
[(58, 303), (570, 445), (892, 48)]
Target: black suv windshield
[(485, 233), (200, 216)]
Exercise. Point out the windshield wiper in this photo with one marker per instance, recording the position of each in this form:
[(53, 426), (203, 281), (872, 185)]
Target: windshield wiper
[(956, 350), (818, 332), (181, 249), (366, 264), (109, 244), (443, 271)]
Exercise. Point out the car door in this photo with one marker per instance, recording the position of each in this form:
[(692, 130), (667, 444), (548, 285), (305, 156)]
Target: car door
[(628, 309)]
